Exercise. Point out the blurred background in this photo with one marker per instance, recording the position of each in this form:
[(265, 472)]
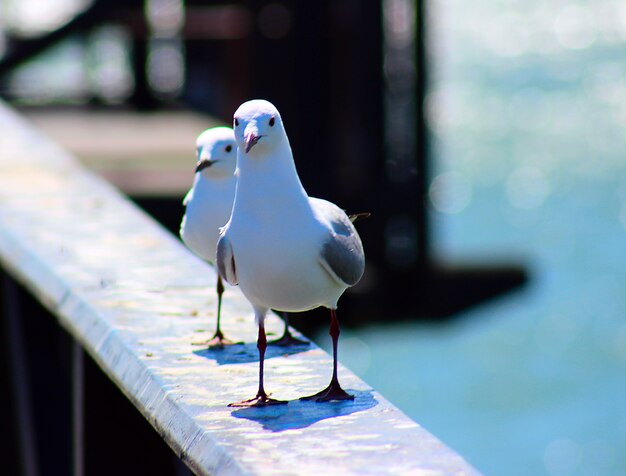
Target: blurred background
[(485, 137)]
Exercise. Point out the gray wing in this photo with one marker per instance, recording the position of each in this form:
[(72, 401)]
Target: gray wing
[(342, 252), (226, 260)]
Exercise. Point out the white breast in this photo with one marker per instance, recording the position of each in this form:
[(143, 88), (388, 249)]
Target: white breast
[(278, 263)]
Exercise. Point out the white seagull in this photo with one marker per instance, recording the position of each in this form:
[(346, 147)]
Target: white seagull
[(209, 202), (207, 208), (285, 250)]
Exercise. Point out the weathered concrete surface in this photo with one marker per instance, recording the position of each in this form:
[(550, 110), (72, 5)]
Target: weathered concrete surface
[(136, 299)]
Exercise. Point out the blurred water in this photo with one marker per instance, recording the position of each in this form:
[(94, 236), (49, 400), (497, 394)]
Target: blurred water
[(527, 109)]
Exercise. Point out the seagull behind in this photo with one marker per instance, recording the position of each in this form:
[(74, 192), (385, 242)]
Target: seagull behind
[(209, 202)]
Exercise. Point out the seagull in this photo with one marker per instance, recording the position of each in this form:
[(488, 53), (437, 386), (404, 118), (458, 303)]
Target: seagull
[(286, 251), (209, 202), (208, 206)]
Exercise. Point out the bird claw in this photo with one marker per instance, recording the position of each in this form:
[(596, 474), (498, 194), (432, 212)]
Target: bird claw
[(288, 340), (333, 392), (218, 341), (258, 402)]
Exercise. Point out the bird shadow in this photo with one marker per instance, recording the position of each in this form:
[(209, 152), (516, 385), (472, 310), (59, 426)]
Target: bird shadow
[(301, 414), (247, 352)]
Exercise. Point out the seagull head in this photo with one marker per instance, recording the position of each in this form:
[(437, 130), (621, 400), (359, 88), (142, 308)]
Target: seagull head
[(258, 127), (216, 151)]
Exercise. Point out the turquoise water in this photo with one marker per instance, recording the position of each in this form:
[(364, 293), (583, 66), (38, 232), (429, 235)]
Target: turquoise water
[(533, 382), (527, 110)]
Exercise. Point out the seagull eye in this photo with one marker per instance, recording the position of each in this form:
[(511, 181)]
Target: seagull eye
[(236, 122), (272, 121), (229, 148)]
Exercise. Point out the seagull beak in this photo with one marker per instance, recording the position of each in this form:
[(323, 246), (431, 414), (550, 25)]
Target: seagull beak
[(251, 140), (203, 164)]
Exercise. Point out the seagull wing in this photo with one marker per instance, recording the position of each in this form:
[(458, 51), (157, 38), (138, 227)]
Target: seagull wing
[(226, 260), (342, 251)]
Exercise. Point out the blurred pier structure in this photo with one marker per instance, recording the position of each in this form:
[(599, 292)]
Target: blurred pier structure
[(349, 79)]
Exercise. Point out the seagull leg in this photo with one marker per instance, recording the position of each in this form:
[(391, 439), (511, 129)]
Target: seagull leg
[(334, 390), (287, 339), (261, 399), (218, 341)]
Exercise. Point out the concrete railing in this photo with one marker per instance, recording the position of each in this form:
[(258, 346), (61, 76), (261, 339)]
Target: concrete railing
[(135, 300)]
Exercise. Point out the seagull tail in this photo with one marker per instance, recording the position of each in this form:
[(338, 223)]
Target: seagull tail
[(358, 216)]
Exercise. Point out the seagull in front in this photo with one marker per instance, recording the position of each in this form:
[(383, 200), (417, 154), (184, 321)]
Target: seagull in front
[(209, 203), (286, 251)]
